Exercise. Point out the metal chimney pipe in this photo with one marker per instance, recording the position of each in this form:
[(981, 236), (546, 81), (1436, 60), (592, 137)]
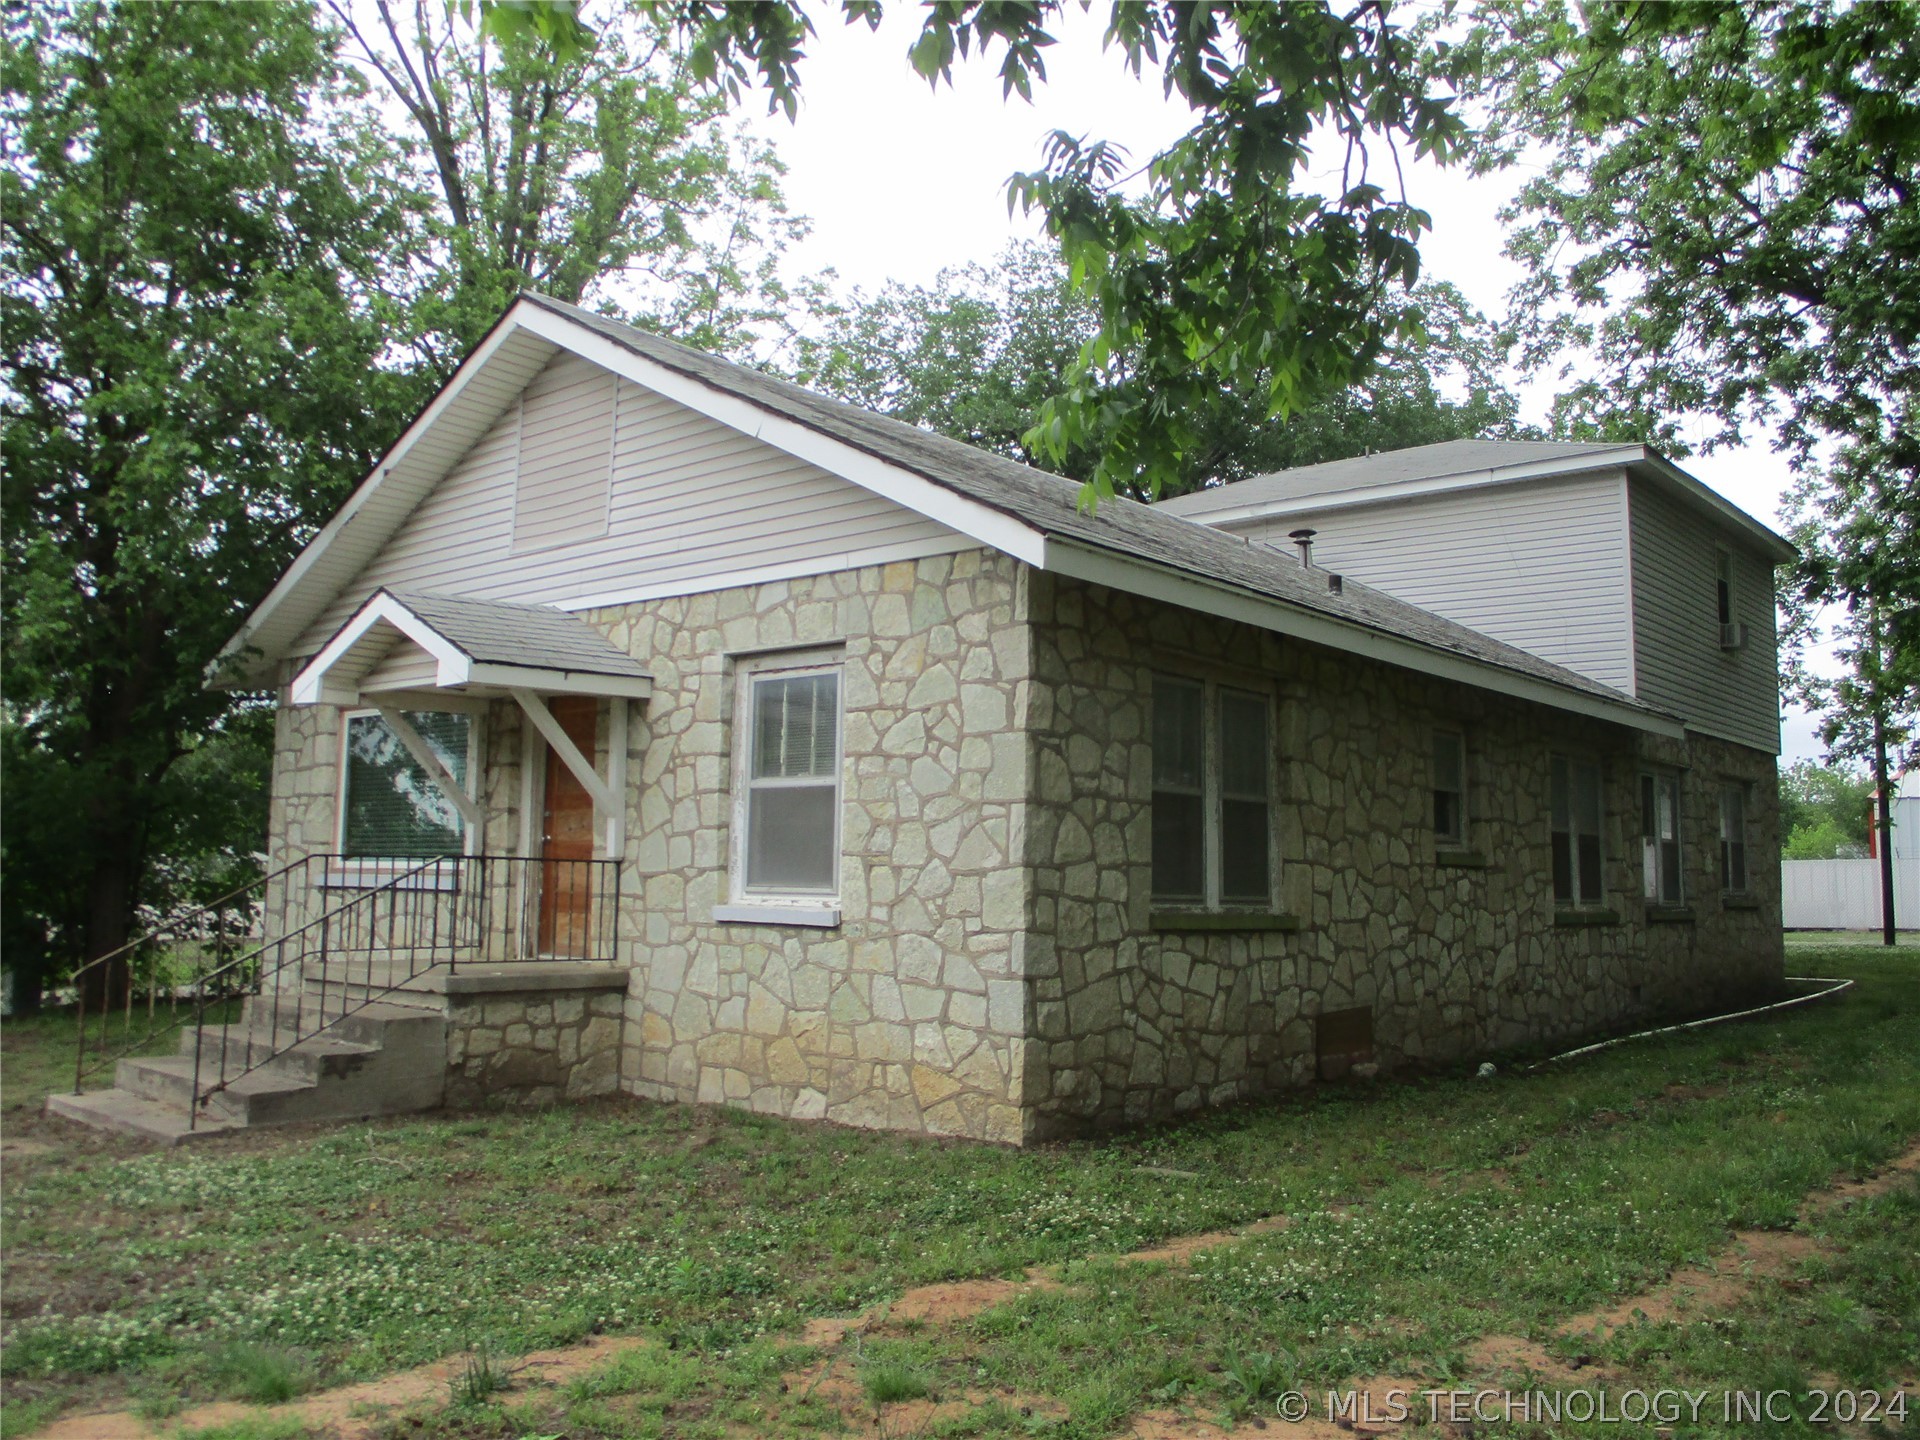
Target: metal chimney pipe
[(1304, 539)]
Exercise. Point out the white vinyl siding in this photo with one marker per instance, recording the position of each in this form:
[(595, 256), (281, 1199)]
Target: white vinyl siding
[(1541, 566), (404, 666), (1677, 555), (690, 498), (565, 459)]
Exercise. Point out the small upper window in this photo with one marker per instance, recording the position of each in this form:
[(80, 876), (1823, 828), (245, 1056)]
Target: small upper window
[(1449, 787), (1723, 590), (1660, 838), (790, 793), (1733, 838), (392, 806), (1212, 795), (1577, 867)]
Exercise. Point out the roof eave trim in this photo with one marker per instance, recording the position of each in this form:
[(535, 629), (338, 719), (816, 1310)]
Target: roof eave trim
[(991, 527), (1157, 582), (291, 579), (452, 665), (1619, 457)]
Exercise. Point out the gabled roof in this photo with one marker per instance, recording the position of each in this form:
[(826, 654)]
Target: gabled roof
[(1452, 465), (1005, 505), (477, 646)]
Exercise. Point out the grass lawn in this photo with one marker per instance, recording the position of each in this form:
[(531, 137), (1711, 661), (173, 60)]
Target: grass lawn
[(1426, 1215)]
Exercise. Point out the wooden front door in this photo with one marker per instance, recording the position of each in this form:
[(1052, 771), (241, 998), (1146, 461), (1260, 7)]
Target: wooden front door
[(566, 837)]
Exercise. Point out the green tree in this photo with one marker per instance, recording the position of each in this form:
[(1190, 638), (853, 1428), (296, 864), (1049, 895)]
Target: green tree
[(976, 355), (594, 173), (1824, 811), (188, 240), (1219, 267), (1724, 224)]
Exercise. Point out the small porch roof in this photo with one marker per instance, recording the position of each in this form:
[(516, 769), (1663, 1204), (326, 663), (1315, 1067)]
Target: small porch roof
[(403, 641)]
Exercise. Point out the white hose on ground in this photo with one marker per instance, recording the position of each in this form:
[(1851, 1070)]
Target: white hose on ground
[(1834, 987)]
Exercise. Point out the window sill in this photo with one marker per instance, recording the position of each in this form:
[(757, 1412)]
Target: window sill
[(1586, 917), (817, 917), (1215, 920), (1739, 902), (1459, 859), (1669, 914)]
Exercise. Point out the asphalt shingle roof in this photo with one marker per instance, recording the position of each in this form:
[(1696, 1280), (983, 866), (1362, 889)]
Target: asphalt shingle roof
[(494, 633), (1050, 504)]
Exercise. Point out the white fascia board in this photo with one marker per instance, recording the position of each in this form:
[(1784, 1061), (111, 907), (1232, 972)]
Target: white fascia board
[(363, 493), (560, 682), (1615, 459), (1139, 577), (311, 687), (985, 524)]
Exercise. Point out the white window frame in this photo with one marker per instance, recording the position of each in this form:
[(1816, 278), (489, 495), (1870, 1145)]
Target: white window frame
[(1739, 789), (359, 870), (1213, 801), (782, 907), (1579, 900), (1668, 784), (1457, 839)]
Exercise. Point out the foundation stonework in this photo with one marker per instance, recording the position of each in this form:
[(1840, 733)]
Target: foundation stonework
[(999, 970), (533, 1047)]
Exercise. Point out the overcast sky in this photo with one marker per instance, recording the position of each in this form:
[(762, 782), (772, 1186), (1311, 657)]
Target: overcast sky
[(901, 181)]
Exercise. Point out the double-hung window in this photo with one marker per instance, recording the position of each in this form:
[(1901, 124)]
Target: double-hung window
[(1212, 795), (1449, 787), (1733, 838), (1660, 838), (1575, 803), (787, 807), (391, 807)]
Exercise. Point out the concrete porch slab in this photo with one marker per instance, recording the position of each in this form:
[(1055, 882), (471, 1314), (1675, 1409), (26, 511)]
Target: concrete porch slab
[(521, 977)]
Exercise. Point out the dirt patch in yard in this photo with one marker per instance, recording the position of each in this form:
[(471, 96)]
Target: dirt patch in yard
[(1182, 1250), (352, 1411)]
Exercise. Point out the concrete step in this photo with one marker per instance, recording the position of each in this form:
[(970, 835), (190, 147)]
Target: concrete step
[(382, 1059), (128, 1114)]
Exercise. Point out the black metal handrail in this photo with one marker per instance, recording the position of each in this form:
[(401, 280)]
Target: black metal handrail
[(159, 964), (437, 911), (398, 920)]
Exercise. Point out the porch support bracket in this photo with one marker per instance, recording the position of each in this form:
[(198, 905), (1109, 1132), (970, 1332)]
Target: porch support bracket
[(469, 808), (605, 793)]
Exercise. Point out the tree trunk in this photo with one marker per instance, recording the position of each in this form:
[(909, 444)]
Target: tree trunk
[(110, 889)]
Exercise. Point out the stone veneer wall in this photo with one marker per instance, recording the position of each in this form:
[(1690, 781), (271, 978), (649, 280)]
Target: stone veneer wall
[(1133, 1022), (533, 1047), (912, 1013), (994, 715)]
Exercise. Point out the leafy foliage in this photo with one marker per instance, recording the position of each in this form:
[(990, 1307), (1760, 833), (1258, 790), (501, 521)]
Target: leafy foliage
[(191, 239), (1823, 811), (569, 166), (977, 354), (1725, 226), (232, 282), (1214, 269)]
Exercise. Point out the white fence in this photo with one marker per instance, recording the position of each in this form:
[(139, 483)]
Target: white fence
[(1845, 894)]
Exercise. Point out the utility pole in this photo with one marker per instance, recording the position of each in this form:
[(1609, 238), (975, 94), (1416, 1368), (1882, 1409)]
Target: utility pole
[(1883, 782)]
